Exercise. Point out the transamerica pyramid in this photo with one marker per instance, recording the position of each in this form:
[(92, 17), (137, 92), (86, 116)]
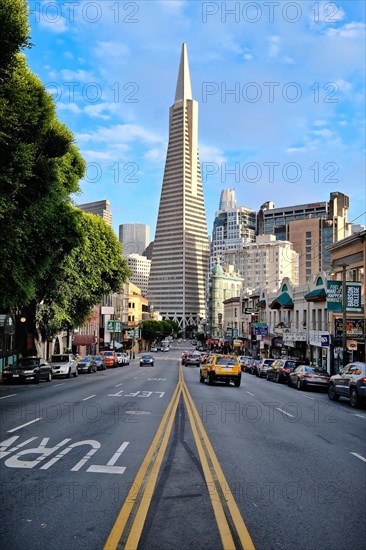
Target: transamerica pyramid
[(180, 253)]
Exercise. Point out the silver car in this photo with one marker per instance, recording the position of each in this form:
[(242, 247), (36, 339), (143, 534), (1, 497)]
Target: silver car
[(350, 383), (64, 364), (263, 367)]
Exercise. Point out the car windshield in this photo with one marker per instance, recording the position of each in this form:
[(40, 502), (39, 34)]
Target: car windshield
[(59, 359), (26, 363), (86, 358), (146, 356), (97, 358), (315, 370), (108, 353), (224, 361)]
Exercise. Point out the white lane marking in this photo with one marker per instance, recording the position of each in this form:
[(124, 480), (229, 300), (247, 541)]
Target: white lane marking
[(6, 396), (118, 385), (250, 393), (284, 412), (110, 467), (308, 397), (90, 396), (62, 383), (359, 456), (23, 425), (359, 415)]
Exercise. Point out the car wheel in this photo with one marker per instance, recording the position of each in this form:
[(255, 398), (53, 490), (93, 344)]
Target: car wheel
[(49, 377), (332, 393), (298, 384), (89, 370), (201, 379), (237, 382), (68, 374), (227, 382), (354, 399), (36, 379), (267, 377), (76, 373), (211, 379)]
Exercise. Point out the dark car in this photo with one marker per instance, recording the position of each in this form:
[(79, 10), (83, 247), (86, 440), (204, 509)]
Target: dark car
[(86, 364), (306, 376), (192, 359), (281, 368), (350, 383), (28, 369), (146, 359), (97, 360)]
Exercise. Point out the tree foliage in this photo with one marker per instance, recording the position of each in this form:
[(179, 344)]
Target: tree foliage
[(151, 330), (92, 269)]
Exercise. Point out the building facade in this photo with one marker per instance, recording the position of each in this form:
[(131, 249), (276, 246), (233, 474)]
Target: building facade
[(140, 267), (180, 253), (135, 237), (268, 261), (99, 208)]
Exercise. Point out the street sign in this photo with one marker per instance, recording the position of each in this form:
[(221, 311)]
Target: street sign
[(110, 326), (131, 333), (118, 326), (250, 311)]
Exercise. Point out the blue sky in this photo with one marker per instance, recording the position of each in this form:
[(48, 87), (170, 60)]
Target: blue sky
[(280, 87)]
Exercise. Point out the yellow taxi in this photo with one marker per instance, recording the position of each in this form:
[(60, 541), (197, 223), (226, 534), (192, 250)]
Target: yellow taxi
[(221, 368)]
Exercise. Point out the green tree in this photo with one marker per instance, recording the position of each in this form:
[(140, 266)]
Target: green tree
[(39, 167), (92, 269), (151, 330)]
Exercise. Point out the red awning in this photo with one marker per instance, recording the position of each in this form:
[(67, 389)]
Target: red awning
[(84, 339)]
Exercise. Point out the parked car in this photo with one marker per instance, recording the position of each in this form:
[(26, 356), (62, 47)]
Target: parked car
[(64, 364), (109, 358), (263, 366), (350, 383), (146, 359), (281, 368), (97, 360), (86, 364), (154, 349), (221, 368), (120, 358), (28, 369), (253, 368), (305, 376)]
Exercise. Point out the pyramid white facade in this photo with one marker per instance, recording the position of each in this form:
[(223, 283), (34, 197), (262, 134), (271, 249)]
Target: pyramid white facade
[(181, 249)]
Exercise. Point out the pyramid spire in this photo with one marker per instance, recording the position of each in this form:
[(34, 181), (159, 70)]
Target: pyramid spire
[(184, 90)]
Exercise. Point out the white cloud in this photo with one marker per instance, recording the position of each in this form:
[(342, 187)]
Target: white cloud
[(248, 56), (350, 30), (342, 122), (101, 110), (156, 155), (296, 150), (98, 155), (319, 122), (79, 75), (274, 45), (112, 50), (119, 134), (54, 23), (325, 132), (172, 5), (288, 60), (73, 107), (211, 154), (343, 85)]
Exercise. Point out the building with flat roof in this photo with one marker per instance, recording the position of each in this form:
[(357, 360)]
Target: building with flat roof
[(135, 237), (140, 267), (99, 208)]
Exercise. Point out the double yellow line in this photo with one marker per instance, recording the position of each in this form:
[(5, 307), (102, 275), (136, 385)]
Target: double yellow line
[(128, 526)]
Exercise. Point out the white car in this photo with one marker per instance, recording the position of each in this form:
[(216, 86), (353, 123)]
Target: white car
[(263, 367), (64, 364)]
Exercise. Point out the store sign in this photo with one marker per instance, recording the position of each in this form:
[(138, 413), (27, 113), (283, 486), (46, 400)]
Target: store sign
[(294, 336), (110, 326), (355, 328), (319, 339), (335, 296), (352, 345), (259, 328)]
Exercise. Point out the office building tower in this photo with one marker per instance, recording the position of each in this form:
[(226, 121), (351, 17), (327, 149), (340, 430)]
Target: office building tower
[(134, 237), (99, 208)]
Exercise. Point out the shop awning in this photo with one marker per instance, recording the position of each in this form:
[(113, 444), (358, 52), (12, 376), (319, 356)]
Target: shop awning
[(284, 300), (262, 303), (318, 295)]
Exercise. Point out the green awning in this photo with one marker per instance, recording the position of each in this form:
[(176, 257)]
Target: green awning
[(262, 303), (283, 300), (318, 295)]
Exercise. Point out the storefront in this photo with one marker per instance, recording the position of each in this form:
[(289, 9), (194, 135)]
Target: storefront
[(319, 342)]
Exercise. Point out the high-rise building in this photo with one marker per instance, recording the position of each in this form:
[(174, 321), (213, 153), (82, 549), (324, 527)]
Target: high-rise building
[(140, 267), (310, 227), (99, 208), (233, 227), (134, 237), (267, 261), (180, 254)]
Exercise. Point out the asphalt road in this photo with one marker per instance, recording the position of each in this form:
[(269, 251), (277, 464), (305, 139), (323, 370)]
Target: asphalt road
[(73, 448)]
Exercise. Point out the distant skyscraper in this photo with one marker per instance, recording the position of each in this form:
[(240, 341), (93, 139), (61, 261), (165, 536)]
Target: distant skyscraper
[(134, 237), (140, 267), (180, 254), (233, 227), (99, 208)]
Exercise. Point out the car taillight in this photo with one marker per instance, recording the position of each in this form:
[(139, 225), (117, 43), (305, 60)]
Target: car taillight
[(308, 375), (363, 380), (286, 369)]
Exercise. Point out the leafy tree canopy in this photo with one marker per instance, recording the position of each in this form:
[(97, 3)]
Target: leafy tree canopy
[(151, 330)]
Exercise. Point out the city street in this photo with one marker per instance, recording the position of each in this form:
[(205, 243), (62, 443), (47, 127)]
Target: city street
[(73, 450)]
